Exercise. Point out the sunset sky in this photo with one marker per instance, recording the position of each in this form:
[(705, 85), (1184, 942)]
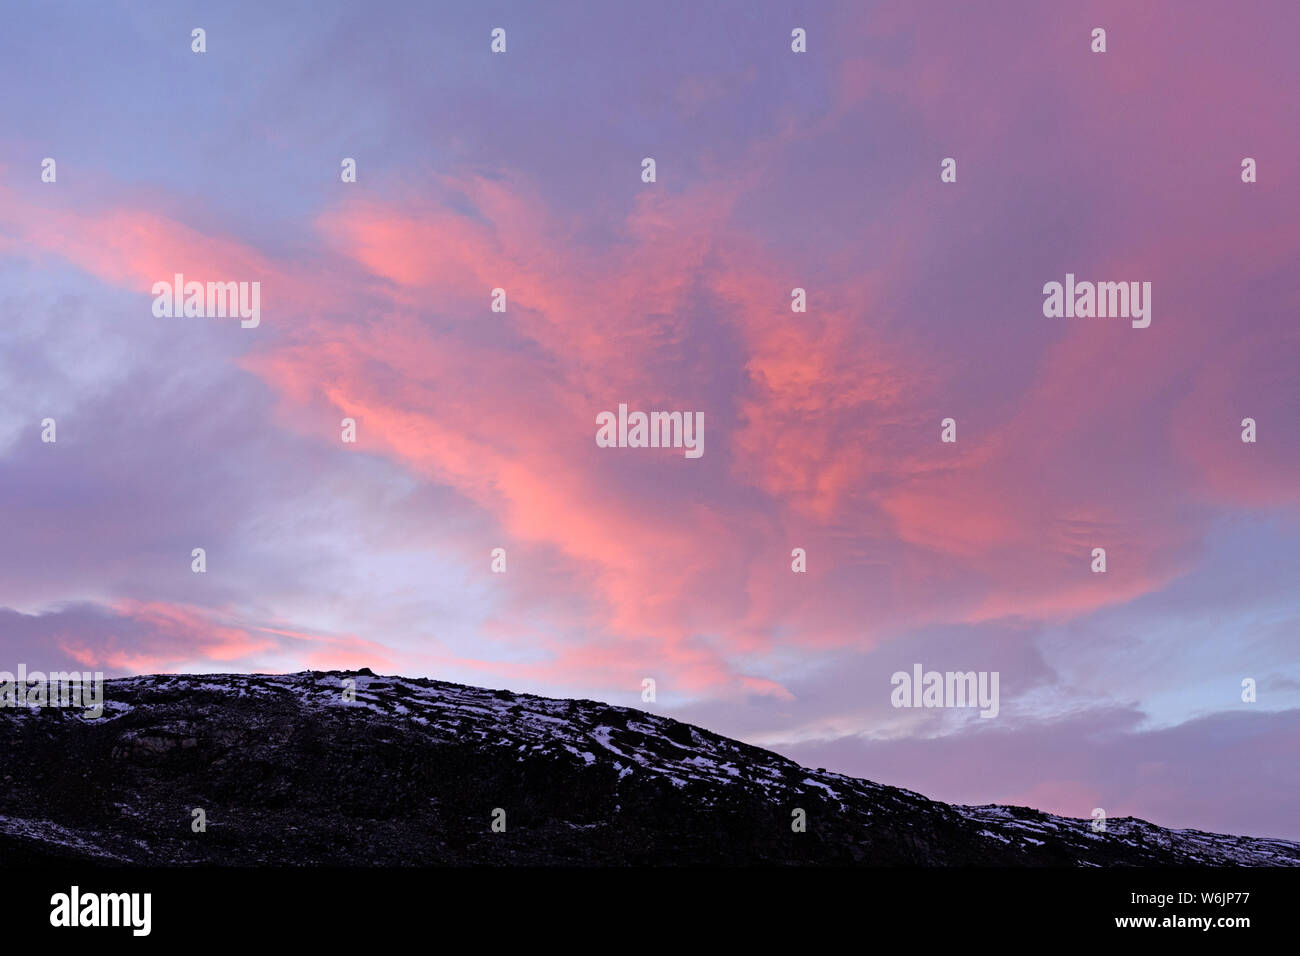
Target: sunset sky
[(475, 429)]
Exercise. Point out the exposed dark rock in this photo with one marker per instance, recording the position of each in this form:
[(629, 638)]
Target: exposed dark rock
[(287, 771)]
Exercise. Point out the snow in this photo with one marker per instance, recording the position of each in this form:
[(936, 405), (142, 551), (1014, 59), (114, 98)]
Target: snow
[(639, 744)]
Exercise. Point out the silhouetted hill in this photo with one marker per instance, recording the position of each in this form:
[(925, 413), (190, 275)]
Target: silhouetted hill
[(411, 772)]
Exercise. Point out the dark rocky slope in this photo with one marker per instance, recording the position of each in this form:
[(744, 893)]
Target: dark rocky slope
[(410, 773)]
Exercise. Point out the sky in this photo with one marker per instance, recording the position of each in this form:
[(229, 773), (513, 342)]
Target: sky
[(475, 429)]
